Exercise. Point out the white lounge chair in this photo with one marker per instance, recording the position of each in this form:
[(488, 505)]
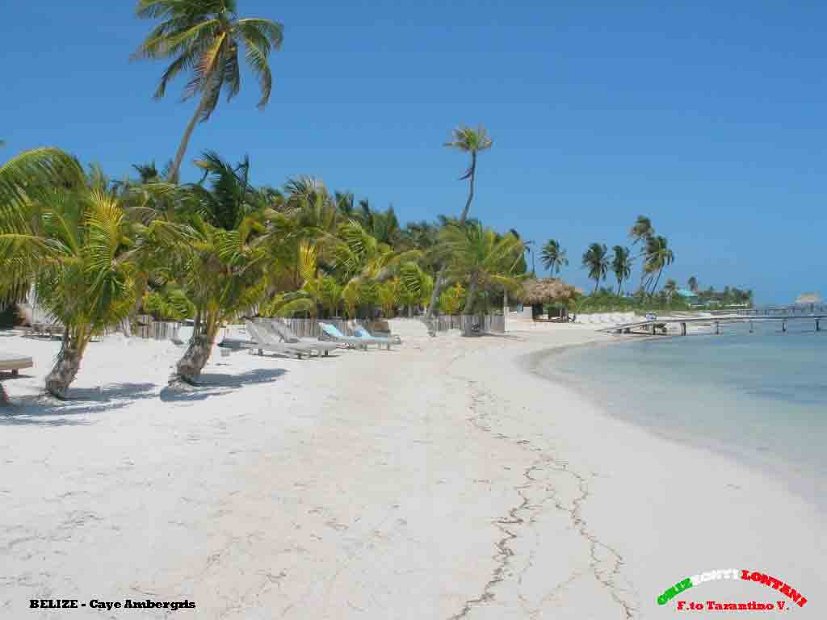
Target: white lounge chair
[(263, 341), (287, 335)]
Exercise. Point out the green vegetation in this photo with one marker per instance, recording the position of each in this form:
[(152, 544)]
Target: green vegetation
[(99, 253)]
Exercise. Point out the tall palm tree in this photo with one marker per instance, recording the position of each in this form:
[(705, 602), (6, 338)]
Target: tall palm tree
[(621, 265), (596, 260), (473, 141), (68, 236), (553, 256), (657, 257), (203, 37), (481, 257), (641, 231)]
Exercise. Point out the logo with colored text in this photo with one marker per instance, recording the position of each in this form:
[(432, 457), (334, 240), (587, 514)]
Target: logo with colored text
[(677, 593)]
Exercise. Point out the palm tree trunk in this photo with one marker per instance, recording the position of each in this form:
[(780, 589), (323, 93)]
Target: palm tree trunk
[(185, 140), (472, 292), (472, 174), (655, 286), (189, 367), (439, 283), (66, 366)]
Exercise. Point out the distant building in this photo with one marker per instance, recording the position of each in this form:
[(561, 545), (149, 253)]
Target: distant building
[(688, 296)]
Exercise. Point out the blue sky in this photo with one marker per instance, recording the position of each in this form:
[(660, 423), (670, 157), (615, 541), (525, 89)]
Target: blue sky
[(707, 116)]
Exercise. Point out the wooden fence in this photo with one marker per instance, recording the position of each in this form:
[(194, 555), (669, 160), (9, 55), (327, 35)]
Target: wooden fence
[(156, 330), (471, 323), (145, 327)]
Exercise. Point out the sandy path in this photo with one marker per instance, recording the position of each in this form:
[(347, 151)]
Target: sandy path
[(438, 480)]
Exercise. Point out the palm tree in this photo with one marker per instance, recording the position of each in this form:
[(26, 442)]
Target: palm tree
[(596, 260), (473, 141), (470, 140), (641, 230), (621, 265), (202, 37), (481, 257), (219, 256), (68, 236), (692, 282), (553, 256), (657, 257)]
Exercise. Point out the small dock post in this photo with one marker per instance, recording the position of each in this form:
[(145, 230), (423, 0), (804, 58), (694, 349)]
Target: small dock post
[(683, 329), (717, 328), (784, 325), (818, 325), (751, 328)]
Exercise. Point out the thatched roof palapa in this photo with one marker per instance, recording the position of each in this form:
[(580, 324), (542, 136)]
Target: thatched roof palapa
[(547, 291), (808, 298)]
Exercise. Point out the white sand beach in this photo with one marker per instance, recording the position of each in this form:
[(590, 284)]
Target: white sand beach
[(441, 479)]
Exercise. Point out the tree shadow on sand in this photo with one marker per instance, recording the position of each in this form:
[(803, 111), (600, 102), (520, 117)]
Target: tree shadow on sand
[(216, 384), (43, 410)]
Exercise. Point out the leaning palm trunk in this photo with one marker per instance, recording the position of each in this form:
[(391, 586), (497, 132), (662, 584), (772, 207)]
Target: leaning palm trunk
[(189, 367), (185, 140), (67, 365), (657, 280), (439, 283)]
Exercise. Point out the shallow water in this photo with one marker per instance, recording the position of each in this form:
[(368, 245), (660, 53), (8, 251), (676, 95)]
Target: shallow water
[(759, 397)]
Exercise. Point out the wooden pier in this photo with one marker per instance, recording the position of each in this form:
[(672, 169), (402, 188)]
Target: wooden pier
[(658, 326)]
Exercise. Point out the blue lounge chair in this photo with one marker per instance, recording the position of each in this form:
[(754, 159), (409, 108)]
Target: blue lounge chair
[(361, 332), (333, 333)]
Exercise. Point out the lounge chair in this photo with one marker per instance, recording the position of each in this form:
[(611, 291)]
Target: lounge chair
[(332, 332), (263, 340), (13, 362), (286, 334), (361, 332)]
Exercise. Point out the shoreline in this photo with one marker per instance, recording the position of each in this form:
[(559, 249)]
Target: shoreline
[(438, 480), (776, 467)]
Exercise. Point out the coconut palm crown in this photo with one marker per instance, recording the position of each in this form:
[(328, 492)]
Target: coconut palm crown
[(596, 260), (203, 38), (553, 256)]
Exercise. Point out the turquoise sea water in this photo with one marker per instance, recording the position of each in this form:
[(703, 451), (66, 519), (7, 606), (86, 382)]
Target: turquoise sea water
[(761, 398)]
